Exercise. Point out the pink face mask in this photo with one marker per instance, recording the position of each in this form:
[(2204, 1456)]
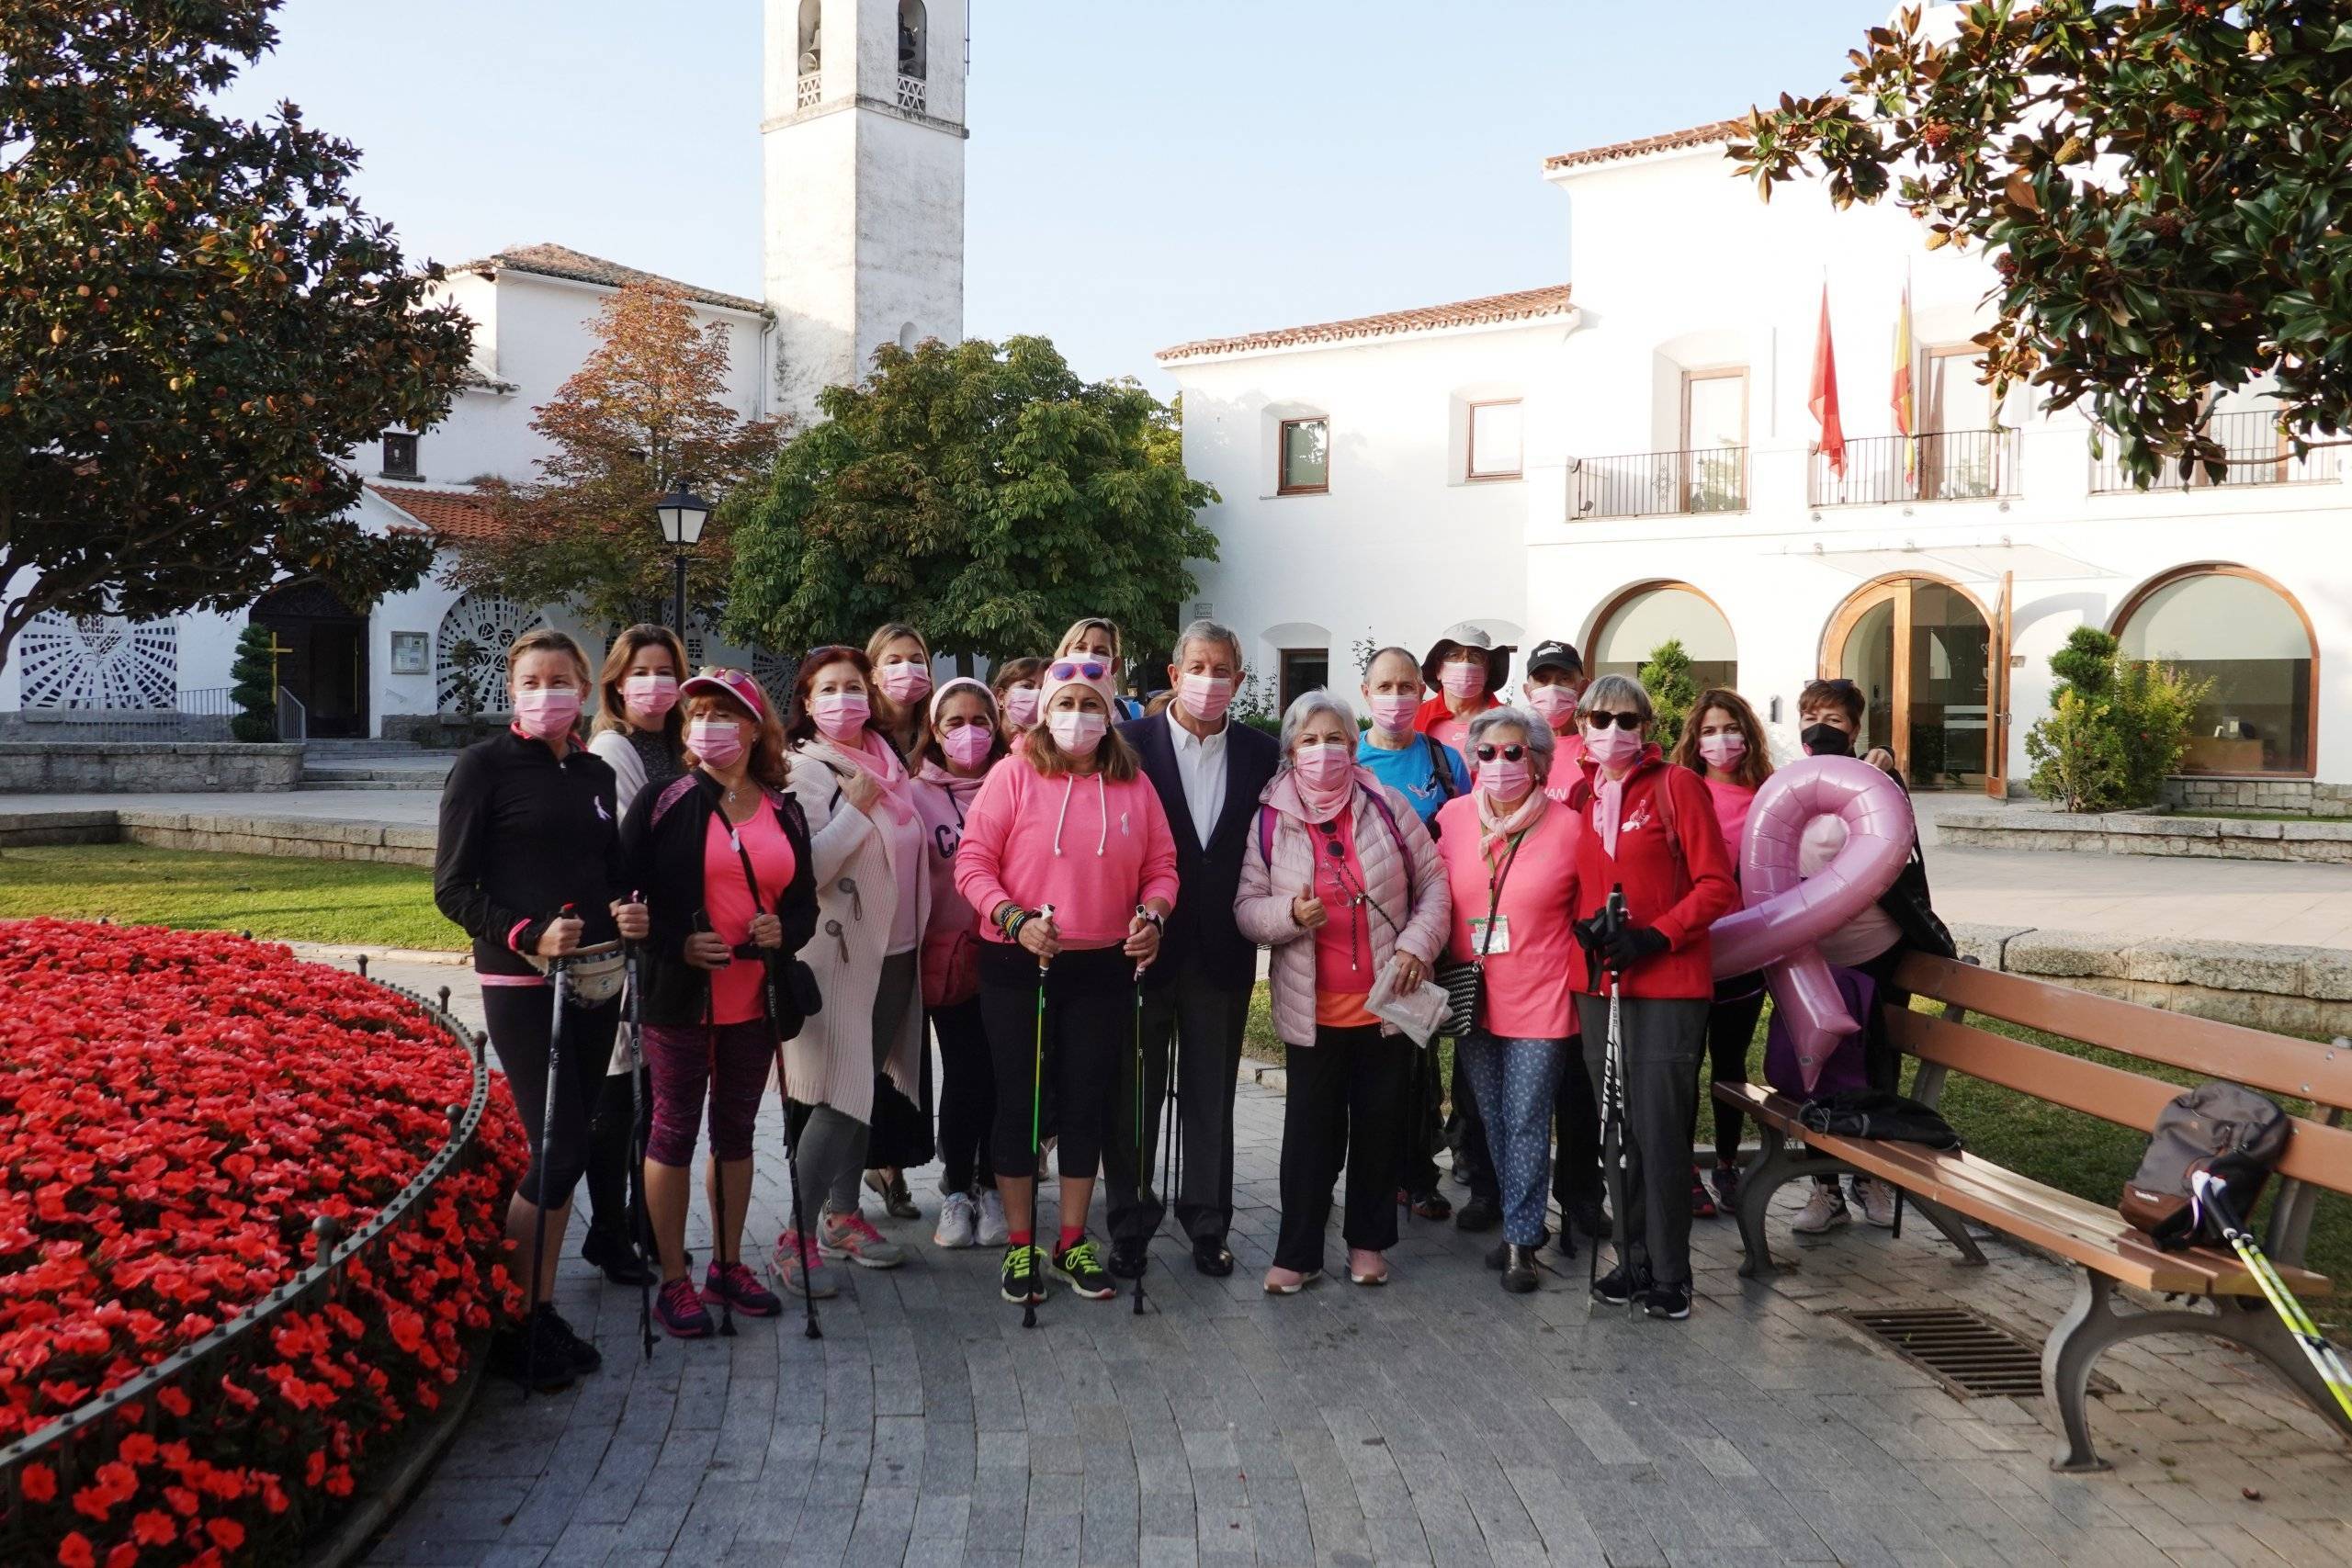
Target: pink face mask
[(1460, 680), (1554, 703), (1721, 750), (546, 711), (1500, 780), (1078, 734), (1613, 747), (718, 741), (1021, 706), (839, 714), (1323, 766), (652, 695), (904, 682), (1395, 713), (968, 746), (1205, 697)]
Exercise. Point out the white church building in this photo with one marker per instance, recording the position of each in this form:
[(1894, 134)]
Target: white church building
[(861, 134), (1627, 456)]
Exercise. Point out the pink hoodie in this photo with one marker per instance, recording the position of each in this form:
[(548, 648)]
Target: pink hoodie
[(1090, 846), (942, 799)]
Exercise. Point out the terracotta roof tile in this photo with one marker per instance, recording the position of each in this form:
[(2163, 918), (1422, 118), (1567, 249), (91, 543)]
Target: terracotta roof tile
[(451, 514), (1527, 304), (1673, 140), (562, 261)]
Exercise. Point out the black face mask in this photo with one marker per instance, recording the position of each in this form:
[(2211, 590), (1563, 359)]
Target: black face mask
[(1826, 740)]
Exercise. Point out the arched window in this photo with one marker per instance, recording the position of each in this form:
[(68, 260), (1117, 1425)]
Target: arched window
[(913, 39), (1636, 622), (811, 51), (2246, 634), (908, 337)]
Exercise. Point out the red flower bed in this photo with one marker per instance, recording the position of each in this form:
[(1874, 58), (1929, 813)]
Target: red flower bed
[(176, 1108)]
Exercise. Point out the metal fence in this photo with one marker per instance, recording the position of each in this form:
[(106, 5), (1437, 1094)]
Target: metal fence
[(1941, 465), (1657, 484), (2257, 453), (229, 1346), (201, 714)]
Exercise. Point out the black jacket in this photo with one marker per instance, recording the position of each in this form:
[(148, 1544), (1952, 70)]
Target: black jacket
[(521, 835), (664, 839), (1202, 937)]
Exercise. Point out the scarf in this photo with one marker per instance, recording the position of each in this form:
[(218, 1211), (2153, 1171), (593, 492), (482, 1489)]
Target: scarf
[(1495, 831), (1608, 808), (875, 758), (1319, 806)]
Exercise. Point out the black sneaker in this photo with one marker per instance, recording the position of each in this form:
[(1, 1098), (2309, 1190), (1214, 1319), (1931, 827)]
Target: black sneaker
[(537, 1353), (1669, 1303), (1620, 1285), (1430, 1205), (1478, 1214), (611, 1252), (1130, 1258), (1023, 1280), (1082, 1265), (578, 1353)]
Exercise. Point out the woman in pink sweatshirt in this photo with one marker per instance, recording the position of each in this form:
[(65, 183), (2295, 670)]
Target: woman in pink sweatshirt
[(1068, 858)]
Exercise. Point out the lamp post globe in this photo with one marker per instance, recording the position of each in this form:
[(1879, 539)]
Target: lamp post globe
[(681, 515)]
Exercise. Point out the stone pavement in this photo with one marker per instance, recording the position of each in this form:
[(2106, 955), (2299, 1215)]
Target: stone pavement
[(1436, 1421)]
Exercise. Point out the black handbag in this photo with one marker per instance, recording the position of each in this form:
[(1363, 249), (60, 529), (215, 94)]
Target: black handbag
[(1465, 982)]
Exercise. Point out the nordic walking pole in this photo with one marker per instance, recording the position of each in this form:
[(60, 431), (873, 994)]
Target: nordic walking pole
[(547, 1124), (2209, 1191), (1037, 1094), (718, 1171), (637, 1215), (1141, 1172)]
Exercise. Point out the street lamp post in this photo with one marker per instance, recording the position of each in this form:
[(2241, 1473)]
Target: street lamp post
[(682, 514)]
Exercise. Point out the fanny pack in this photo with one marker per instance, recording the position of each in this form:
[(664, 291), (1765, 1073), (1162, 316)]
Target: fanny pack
[(593, 974)]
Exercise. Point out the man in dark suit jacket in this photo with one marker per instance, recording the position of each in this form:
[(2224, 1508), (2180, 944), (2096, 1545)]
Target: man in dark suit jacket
[(1209, 769)]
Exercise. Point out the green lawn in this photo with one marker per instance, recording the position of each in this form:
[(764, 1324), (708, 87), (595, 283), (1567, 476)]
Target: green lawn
[(281, 897)]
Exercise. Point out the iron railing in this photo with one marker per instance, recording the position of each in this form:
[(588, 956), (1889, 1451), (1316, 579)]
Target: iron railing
[(59, 1443), (2258, 455), (201, 714), (1655, 484), (1940, 464), (293, 718)]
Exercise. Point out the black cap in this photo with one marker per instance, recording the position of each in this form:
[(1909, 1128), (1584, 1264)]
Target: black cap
[(1554, 656)]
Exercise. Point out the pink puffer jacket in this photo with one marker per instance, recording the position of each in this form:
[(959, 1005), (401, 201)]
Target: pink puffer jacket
[(1401, 872)]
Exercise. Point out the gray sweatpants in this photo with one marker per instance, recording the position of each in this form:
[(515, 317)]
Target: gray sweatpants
[(1664, 1038), (832, 1145)]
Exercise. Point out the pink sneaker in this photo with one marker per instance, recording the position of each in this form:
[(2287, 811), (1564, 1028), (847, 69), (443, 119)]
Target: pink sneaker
[(682, 1312), (740, 1289), (852, 1235), (817, 1283)]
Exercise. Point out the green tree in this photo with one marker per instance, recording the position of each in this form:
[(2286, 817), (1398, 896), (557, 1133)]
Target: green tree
[(198, 325), (645, 410), (985, 494), (1672, 688), (2116, 726), (2078, 753), (2165, 184), (252, 674)]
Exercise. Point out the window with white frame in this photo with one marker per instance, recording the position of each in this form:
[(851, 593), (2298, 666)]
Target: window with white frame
[(1495, 451), (1305, 459)]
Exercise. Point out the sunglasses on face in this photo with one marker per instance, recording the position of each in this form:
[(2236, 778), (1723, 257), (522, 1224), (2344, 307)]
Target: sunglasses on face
[(1508, 753), (1600, 720), (1079, 670)]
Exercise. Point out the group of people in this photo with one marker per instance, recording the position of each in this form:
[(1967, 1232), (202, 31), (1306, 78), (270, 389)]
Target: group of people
[(1071, 894)]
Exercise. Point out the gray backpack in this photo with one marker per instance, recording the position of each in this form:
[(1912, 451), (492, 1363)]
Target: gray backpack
[(2223, 1127)]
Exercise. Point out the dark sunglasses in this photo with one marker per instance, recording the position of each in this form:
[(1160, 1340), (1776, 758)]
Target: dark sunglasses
[(1331, 845), (1079, 670), (1600, 720), (1508, 753)]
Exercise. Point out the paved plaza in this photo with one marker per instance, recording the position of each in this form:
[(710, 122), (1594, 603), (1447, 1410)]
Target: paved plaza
[(1435, 1421)]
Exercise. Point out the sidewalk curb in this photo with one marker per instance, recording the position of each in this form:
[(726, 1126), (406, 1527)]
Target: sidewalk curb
[(333, 953)]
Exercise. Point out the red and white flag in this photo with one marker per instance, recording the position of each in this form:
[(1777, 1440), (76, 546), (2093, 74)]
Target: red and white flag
[(1822, 399)]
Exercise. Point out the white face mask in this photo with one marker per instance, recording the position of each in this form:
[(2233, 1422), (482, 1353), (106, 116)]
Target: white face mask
[(1078, 734)]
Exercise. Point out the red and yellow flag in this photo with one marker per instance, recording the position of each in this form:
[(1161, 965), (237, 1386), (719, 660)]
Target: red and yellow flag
[(1902, 398)]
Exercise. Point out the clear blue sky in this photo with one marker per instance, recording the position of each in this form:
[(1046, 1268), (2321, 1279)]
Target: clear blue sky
[(1141, 172)]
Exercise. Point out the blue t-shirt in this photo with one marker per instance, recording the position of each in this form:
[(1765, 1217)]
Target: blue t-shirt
[(1411, 773)]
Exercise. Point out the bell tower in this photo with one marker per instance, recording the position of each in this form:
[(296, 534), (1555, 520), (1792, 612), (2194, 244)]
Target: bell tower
[(861, 143)]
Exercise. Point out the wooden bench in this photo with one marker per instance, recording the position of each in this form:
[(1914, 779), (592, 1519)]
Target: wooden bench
[(1952, 1189)]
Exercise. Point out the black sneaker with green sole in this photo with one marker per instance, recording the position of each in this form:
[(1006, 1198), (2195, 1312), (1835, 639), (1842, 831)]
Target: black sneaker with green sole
[(1082, 1265), (1023, 1278)]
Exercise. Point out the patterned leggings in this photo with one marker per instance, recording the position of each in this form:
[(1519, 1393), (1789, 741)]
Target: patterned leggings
[(681, 1061), (1514, 1079)]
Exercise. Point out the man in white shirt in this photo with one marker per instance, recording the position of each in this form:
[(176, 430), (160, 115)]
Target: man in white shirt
[(1209, 770)]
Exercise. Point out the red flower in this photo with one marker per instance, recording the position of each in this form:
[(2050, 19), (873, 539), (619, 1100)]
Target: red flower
[(227, 1534), (154, 1528), (40, 1483), (123, 1555), (75, 1551)]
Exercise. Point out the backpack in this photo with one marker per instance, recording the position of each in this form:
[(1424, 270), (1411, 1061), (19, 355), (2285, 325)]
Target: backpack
[(1877, 1113), (1439, 774), (2223, 1127), (1913, 911)]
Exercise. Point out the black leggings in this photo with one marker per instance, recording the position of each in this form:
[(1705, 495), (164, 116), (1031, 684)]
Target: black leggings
[(617, 1182), (518, 1017), (1090, 1020), (967, 1095), (1731, 1028)]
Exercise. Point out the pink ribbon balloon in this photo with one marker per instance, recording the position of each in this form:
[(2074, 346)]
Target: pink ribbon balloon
[(1787, 913)]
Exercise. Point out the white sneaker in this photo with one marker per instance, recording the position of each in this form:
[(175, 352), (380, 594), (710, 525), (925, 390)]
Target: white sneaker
[(993, 1231), (956, 1222), (1823, 1213), (1877, 1199)]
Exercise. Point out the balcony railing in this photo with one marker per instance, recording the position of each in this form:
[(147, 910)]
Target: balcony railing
[(1658, 484), (1941, 465), (810, 88), (2259, 455), (914, 93)]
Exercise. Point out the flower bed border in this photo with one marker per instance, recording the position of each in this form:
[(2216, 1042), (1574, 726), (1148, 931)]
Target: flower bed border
[(55, 1442)]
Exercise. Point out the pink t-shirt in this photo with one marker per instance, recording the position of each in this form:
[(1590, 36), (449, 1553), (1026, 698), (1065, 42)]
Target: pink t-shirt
[(1455, 732), (1730, 801), (1528, 988), (1342, 945), (735, 991)]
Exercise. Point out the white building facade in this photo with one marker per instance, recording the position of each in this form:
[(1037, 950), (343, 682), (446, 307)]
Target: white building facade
[(862, 146), (1665, 484)]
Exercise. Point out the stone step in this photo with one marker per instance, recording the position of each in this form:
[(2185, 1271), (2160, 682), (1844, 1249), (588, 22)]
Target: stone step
[(424, 772)]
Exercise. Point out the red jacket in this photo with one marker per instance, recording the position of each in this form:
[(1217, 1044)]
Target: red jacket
[(1670, 861), (1434, 711)]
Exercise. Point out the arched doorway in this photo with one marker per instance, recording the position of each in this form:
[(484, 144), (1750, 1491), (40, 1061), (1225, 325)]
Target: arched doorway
[(1921, 650), (321, 648)]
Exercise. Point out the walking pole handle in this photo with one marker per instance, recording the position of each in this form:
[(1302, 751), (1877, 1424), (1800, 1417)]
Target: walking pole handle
[(1045, 913)]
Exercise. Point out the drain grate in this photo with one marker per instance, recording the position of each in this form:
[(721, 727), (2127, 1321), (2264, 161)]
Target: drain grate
[(1973, 1357)]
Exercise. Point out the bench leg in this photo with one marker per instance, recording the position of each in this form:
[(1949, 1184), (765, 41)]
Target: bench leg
[(1955, 1230), (1774, 1169)]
